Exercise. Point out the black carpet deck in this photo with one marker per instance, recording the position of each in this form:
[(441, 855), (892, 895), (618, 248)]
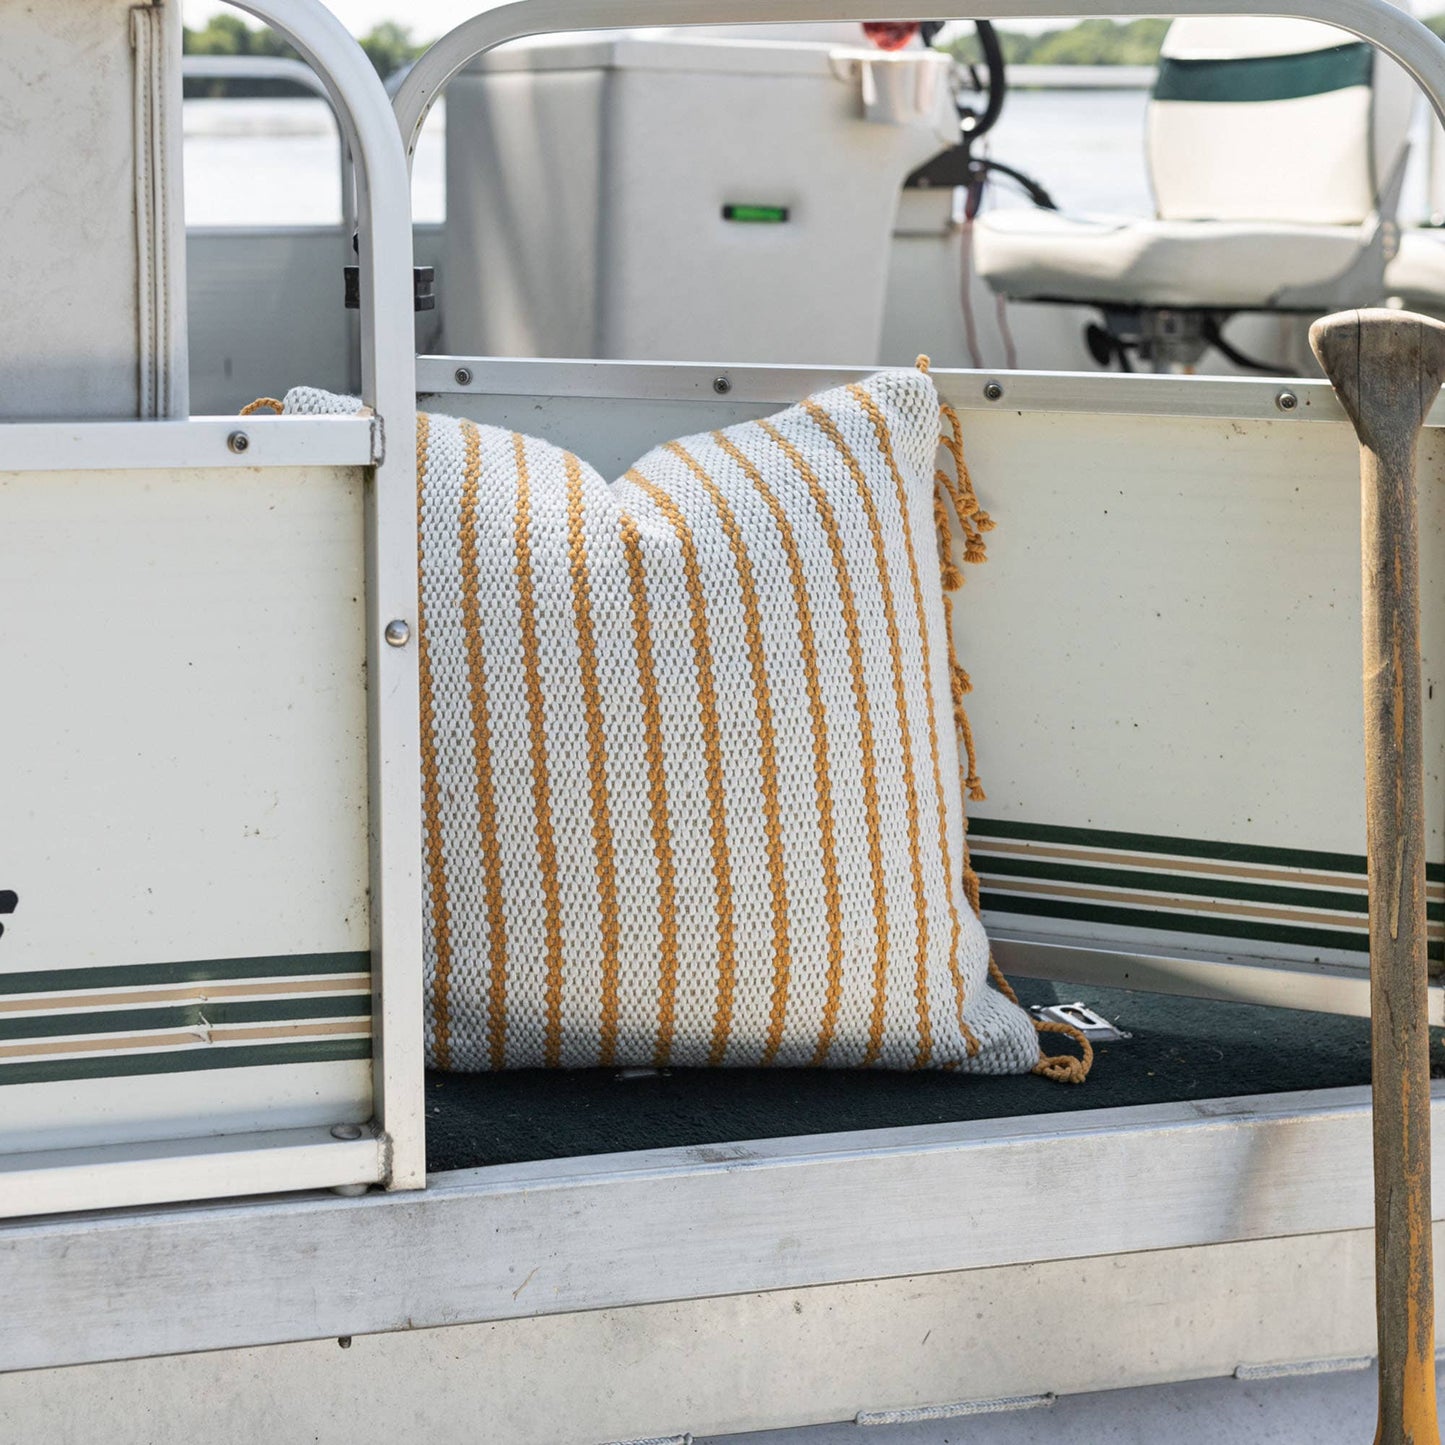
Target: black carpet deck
[(1181, 1049)]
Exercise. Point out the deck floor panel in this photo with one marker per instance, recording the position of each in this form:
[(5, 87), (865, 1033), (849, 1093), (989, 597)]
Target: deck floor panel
[(1182, 1049)]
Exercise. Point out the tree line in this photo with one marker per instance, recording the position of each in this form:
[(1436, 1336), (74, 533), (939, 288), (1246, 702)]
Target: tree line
[(391, 47), (1090, 42)]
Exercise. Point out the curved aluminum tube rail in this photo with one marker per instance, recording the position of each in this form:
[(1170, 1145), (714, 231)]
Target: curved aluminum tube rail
[(388, 386), (1399, 35)]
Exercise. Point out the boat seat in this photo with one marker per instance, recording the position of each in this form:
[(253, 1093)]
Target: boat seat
[(1416, 275), (1223, 265), (1275, 151)]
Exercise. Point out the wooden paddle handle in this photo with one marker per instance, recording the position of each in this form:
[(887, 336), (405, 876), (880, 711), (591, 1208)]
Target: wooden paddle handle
[(1387, 367)]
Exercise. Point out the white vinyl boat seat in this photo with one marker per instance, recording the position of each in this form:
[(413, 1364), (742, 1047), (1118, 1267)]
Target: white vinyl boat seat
[(1416, 275), (1211, 265), (1275, 150)]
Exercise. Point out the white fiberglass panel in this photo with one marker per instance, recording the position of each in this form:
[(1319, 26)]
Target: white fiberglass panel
[(183, 845)]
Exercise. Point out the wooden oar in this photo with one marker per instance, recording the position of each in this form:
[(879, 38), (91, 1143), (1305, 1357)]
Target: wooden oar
[(1387, 367)]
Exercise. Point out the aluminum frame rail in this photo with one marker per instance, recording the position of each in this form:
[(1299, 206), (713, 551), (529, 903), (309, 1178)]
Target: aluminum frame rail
[(388, 386), (1399, 35)]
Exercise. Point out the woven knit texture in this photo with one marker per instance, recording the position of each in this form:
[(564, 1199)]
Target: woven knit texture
[(691, 784)]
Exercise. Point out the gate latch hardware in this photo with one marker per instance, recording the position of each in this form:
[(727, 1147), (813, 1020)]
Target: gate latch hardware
[(1094, 1026), (423, 288)]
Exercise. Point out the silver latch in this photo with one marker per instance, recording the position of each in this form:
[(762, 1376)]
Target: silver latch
[(1094, 1026)]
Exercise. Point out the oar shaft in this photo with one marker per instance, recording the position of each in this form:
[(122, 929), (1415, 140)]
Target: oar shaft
[(1400, 1043), (1387, 367)]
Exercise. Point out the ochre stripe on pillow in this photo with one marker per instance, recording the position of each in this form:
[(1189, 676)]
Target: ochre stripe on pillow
[(868, 759), (712, 756), (607, 904), (430, 783), (822, 785), (767, 747), (885, 446), (829, 428), (481, 732), (656, 791), (537, 746)]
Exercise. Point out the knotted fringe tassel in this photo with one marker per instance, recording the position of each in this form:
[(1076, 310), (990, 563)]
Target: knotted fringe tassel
[(973, 521), (264, 403)]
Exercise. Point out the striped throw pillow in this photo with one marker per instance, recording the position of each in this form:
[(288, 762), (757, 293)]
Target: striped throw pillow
[(691, 776)]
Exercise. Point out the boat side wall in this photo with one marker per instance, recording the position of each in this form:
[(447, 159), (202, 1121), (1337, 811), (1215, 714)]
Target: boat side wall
[(749, 1362)]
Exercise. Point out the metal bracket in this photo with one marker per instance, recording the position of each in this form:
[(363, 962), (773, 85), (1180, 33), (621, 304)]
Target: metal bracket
[(423, 287), (1094, 1026)]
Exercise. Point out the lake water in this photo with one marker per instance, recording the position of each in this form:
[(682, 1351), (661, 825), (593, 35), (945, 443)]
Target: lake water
[(276, 162)]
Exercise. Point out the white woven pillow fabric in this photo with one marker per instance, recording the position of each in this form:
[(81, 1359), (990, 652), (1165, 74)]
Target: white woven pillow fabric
[(691, 784)]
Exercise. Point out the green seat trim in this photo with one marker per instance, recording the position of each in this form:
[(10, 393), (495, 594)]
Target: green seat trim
[(1265, 77)]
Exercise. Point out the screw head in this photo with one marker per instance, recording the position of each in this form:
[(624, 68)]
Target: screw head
[(1286, 401), (722, 385), (398, 633), (346, 1131), (992, 391), (463, 375), (238, 442)]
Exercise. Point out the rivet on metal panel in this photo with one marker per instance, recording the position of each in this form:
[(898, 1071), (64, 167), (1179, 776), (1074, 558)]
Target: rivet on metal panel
[(992, 391), (463, 375), (398, 634), (346, 1131), (722, 385), (1286, 401), (238, 441)]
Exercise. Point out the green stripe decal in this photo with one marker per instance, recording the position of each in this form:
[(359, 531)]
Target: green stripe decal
[(1163, 844), (1354, 940), (1328, 899), (1255, 78), (1161, 920), (182, 1061), (211, 970), (1176, 912), (182, 1016)]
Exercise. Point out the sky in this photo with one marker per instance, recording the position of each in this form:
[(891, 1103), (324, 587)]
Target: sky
[(430, 18)]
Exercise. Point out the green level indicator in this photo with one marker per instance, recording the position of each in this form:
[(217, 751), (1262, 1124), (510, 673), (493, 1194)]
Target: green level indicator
[(768, 215)]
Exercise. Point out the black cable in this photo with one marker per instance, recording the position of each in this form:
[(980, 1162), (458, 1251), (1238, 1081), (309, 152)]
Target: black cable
[(1210, 330), (1032, 189), (976, 126)]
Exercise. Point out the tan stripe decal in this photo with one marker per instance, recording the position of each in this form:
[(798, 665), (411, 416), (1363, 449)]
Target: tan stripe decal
[(767, 750), (602, 844), (541, 782), (430, 779), (490, 842), (712, 756), (900, 491), (865, 739), (1350, 882), (1179, 903), (183, 993), (822, 783), (825, 423), (133, 1043), (656, 793)]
